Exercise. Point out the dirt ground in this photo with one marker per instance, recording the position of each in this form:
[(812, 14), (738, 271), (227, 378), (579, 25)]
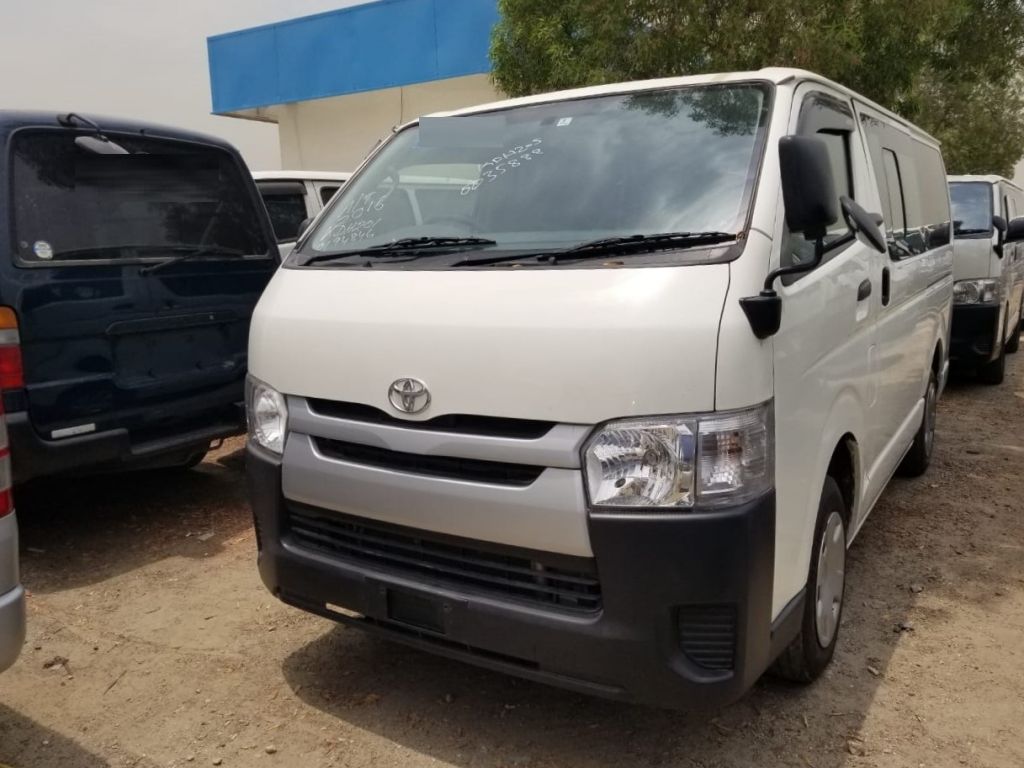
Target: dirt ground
[(152, 642)]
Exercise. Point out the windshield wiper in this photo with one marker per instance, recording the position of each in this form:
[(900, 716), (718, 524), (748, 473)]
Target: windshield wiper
[(624, 244), (403, 247), (192, 252)]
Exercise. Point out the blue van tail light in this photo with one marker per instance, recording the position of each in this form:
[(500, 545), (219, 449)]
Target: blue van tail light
[(12, 375)]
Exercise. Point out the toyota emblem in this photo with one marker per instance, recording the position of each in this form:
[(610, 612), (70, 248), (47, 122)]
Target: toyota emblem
[(409, 395)]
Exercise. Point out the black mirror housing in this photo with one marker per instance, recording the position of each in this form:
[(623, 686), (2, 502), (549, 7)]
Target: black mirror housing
[(1014, 230), (808, 188), (303, 226), (864, 224), (999, 224)]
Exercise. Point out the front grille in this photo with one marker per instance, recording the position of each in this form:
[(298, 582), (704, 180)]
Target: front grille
[(551, 580), (450, 467), (489, 426), (707, 635)]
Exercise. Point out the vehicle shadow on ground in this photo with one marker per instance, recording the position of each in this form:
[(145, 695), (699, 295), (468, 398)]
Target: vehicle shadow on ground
[(26, 744), (925, 545), (79, 531)]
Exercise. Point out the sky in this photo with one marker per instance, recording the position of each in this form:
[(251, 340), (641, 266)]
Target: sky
[(143, 59)]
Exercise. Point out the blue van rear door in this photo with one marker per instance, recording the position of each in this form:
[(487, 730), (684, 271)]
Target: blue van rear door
[(138, 262)]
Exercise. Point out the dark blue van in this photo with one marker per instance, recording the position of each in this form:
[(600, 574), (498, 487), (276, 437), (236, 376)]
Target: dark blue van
[(131, 258)]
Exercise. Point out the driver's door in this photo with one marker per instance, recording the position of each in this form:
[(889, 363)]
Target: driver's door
[(825, 352)]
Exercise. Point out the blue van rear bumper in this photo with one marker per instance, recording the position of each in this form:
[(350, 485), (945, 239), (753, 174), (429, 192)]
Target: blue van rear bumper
[(34, 456)]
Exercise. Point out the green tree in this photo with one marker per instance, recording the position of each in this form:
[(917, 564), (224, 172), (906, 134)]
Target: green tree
[(952, 66)]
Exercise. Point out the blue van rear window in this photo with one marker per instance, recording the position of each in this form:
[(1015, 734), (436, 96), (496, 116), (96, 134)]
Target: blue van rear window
[(79, 198)]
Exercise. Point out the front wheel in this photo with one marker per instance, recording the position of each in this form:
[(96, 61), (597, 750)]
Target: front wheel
[(811, 651), (916, 462)]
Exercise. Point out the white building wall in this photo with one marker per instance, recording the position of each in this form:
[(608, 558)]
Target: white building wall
[(335, 134), (134, 58)]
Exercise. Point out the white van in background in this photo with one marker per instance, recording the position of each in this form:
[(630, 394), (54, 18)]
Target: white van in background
[(609, 417), (988, 265), (292, 197)]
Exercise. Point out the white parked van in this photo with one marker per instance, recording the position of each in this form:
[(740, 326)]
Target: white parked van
[(293, 197), (610, 416), (988, 266)]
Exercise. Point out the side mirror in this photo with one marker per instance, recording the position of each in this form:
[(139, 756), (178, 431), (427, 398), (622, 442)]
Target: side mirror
[(809, 194), (938, 236), (865, 224), (1014, 230), (999, 223), (303, 226), (808, 189)]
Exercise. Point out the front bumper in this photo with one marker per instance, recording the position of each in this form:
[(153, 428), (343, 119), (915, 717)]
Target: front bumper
[(12, 598), (676, 592), (974, 338)]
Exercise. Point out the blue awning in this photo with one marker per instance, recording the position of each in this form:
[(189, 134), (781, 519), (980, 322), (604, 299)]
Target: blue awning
[(360, 48)]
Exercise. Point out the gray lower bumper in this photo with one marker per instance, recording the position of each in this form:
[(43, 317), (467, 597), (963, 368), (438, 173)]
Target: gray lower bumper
[(12, 595), (12, 626)]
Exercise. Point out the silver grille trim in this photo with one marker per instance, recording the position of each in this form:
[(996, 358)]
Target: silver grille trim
[(548, 515)]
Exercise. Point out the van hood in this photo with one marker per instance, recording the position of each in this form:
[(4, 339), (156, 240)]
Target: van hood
[(568, 345), (973, 259)]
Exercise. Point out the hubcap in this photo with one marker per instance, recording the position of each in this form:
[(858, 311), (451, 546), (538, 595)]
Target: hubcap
[(831, 576), (929, 418)]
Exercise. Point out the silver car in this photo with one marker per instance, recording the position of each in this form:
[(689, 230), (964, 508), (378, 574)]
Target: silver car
[(12, 594)]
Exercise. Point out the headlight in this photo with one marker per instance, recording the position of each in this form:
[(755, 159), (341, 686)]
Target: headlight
[(677, 462), (267, 414), (976, 292)]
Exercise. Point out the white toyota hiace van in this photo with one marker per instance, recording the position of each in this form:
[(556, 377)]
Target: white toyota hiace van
[(610, 416), (988, 266)]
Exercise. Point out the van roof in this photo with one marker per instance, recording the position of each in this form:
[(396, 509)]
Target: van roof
[(301, 175), (985, 178), (775, 75), (11, 120)]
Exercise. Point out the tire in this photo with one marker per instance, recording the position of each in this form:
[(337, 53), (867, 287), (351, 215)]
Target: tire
[(1014, 343), (191, 462), (811, 650), (994, 372), (916, 462)]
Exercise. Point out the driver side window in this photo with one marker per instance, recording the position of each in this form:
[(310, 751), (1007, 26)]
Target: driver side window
[(830, 120)]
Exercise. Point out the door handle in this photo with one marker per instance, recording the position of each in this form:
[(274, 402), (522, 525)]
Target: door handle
[(864, 290), (886, 286)]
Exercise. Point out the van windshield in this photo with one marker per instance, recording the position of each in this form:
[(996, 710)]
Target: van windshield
[(79, 199), (971, 203), (553, 176)]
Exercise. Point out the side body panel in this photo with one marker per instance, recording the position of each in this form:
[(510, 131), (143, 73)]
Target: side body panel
[(1011, 266), (913, 323)]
